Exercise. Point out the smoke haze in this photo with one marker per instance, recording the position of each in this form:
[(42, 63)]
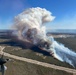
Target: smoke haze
[(64, 54), (29, 26)]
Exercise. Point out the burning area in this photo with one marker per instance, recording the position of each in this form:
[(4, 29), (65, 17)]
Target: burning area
[(29, 30)]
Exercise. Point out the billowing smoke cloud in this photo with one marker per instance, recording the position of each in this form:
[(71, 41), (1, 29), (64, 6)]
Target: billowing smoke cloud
[(64, 54), (30, 24)]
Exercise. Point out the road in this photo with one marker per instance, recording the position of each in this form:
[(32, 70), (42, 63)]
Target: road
[(73, 71)]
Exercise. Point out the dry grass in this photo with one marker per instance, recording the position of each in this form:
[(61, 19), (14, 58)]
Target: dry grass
[(68, 42), (23, 68), (12, 48)]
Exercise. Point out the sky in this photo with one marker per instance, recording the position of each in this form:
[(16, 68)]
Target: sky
[(63, 10)]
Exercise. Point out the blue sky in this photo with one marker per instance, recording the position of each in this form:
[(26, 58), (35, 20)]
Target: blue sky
[(63, 10)]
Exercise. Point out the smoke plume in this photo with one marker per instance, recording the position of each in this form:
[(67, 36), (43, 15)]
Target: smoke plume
[(64, 54), (29, 26)]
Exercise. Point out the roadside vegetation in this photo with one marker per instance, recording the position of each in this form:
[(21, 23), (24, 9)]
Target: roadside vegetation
[(69, 42), (16, 67), (15, 49)]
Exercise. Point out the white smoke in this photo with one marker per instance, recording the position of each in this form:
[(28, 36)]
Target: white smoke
[(63, 53), (30, 24)]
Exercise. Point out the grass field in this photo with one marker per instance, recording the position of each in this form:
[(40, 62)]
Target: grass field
[(12, 48), (22, 68), (68, 42)]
